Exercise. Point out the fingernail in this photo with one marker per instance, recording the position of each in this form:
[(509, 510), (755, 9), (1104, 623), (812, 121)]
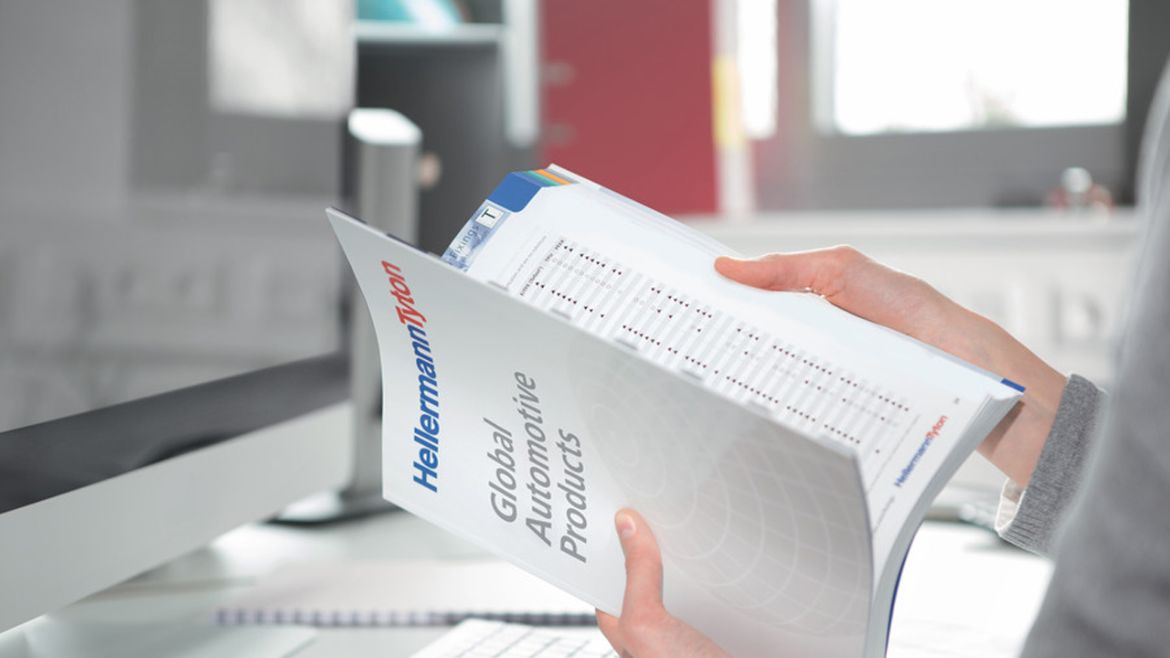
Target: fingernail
[(625, 525)]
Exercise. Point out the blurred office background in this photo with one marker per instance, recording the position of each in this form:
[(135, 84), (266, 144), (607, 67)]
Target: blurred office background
[(164, 163)]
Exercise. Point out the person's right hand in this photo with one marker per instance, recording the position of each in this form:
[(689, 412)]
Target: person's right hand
[(645, 629), (857, 284)]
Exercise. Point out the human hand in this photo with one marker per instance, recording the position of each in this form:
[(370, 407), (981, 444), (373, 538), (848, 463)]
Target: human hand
[(865, 288), (645, 629)]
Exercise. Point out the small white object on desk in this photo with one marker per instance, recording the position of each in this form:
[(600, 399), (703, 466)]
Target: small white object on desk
[(475, 637)]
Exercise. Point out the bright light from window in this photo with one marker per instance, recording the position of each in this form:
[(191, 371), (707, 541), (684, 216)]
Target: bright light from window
[(942, 65), (756, 54)]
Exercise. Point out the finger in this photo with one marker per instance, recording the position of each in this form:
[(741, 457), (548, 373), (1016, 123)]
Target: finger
[(610, 627), (849, 280), (643, 563), (820, 271)]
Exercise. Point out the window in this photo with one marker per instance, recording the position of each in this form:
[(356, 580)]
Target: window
[(924, 65), (922, 103)]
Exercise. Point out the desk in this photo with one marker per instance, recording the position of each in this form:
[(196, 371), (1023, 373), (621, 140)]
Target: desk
[(959, 582)]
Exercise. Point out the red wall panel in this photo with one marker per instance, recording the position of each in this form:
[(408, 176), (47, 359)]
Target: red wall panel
[(626, 97)]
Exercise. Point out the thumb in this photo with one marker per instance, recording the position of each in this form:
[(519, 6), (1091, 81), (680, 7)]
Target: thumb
[(643, 563)]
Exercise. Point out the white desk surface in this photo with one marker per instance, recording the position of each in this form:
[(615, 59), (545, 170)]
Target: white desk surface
[(960, 588)]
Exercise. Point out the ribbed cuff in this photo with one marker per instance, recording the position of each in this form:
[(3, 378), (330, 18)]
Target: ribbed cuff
[(1029, 517)]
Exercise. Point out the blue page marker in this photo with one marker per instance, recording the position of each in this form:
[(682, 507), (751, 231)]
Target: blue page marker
[(514, 192), (1007, 382)]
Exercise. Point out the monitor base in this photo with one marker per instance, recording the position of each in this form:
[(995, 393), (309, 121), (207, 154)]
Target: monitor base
[(333, 507), (59, 636)]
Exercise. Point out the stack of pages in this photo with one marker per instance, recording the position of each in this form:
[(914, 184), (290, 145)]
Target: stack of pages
[(574, 352)]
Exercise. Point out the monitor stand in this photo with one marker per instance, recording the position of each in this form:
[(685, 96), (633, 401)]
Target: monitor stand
[(384, 159), (334, 507)]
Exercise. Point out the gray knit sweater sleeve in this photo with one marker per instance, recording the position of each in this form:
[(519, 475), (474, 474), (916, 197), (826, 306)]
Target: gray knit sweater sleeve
[(1028, 517)]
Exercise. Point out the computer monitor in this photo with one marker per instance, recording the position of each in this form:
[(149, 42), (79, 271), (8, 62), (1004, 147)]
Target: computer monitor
[(93, 499), (172, 346)]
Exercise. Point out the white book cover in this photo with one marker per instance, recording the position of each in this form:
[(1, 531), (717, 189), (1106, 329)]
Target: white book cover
[(574, 353)]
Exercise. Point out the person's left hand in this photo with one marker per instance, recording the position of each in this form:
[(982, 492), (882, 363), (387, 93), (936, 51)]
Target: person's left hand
[(646, 629)]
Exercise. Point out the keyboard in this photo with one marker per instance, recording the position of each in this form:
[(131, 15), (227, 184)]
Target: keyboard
[(477, 638)]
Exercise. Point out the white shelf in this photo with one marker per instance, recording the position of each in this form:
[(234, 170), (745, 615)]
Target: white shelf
[(403, 34), (970, 227)]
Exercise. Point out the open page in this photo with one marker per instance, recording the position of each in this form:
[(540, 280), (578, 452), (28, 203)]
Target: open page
[(523, 432), (628, 274)]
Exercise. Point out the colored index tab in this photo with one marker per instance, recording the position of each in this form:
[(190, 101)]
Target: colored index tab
[(556, 178)]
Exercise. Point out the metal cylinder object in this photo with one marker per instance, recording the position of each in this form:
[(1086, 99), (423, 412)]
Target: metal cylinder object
[(386, 195)]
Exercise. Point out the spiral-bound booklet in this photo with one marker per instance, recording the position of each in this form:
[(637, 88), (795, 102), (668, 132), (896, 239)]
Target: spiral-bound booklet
[(574, 352)]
